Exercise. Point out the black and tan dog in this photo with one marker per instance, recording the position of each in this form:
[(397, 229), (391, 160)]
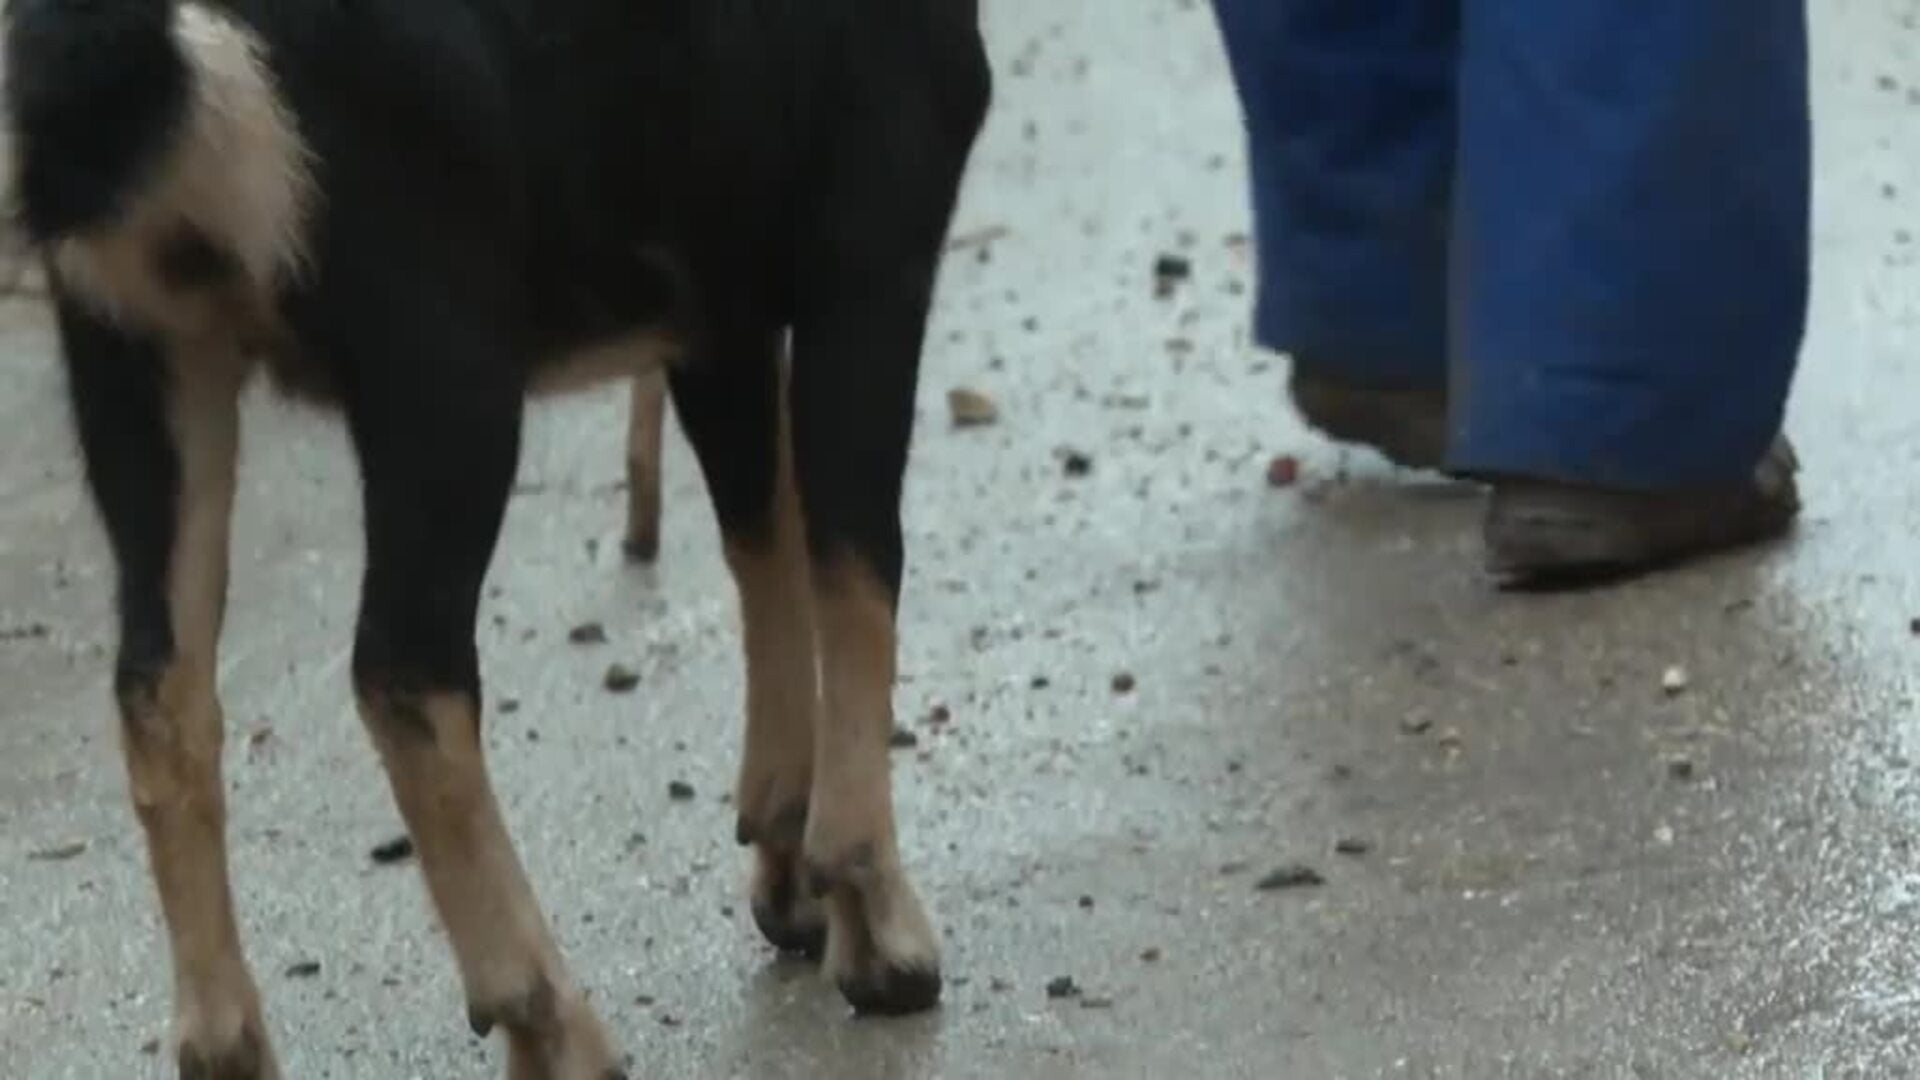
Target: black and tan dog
[(418, 211)]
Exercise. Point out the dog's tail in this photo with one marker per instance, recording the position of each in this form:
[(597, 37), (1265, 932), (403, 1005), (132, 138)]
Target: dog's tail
[(95, 93)]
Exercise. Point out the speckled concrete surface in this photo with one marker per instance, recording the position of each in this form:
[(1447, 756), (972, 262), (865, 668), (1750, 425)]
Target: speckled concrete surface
[(1543, 894)]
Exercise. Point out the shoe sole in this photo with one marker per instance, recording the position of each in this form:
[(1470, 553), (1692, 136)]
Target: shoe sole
[(1562, 543)]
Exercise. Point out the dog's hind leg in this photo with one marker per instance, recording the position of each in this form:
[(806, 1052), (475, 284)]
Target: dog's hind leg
[(434, 401), (159, 434)]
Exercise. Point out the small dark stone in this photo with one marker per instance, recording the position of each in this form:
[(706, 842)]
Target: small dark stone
[(1063, 987), (397, 850), (59, 852), (305, 969), (1040, 682), (904, 738), (940, 715), (1680, 768), (1415, 725), (1096, 1002), (1150, 955), (1168, 272), (1076, 464), (1124, 683), (588, 634), (1086, 903), (1351, 845), (622, 679), (680, 791), (1297, 876), (509, 706)]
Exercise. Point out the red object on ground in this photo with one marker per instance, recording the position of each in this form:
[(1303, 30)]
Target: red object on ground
[(1283, 471)]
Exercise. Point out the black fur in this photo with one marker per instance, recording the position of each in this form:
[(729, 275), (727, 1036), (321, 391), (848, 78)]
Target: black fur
[(502, 181), (95, 91), (118, 389)]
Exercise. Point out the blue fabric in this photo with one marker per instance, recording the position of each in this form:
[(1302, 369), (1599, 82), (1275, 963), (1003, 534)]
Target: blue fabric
[(1589, 217)]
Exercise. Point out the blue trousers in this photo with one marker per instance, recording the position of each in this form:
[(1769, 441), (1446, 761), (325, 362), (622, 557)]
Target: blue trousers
[(1588, 218)]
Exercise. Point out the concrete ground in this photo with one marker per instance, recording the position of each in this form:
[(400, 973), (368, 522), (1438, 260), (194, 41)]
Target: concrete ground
[(1568, 871)]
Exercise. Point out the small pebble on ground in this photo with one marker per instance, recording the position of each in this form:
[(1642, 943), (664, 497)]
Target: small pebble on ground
[(1283, 471), (971, 408), (621, 679), (397, 850), (1295, 876)]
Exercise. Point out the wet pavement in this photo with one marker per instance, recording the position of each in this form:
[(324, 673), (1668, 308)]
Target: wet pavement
[(1166, 679)]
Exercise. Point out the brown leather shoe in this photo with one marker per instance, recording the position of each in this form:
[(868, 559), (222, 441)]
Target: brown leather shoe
[(1408, 425), (1543, 534)]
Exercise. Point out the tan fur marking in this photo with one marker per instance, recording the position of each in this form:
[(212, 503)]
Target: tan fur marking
[(173, 743), (783, 685), (240, 174), (204, 415), (853, 793), (172, 747), (640, 354), (646, 431), (876, 923), (508, 962)]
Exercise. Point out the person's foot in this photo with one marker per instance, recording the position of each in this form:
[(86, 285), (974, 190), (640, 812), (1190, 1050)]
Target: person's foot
[(1407, 424), (1542, 534)]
